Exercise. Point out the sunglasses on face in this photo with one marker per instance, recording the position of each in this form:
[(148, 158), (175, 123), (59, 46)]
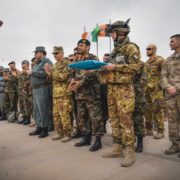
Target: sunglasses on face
[(149, 49), (56, 53)]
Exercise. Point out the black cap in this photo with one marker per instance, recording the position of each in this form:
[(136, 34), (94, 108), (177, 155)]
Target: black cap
[(84, 41)]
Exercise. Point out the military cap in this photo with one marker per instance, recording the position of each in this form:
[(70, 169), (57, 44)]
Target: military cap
[(84, 41), (40, 49), (12, 62), (25, 62), (57, 49)]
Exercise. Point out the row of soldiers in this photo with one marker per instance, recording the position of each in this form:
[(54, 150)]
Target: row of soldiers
[(127, 91)]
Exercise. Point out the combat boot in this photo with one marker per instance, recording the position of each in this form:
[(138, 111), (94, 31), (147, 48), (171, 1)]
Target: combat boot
[(85, 141), (43, 133), (139, 147), (97, 144), (66, 139), (27, 121), (35, 132), (159, 135), (57, 137), (129, 158), (116, 152), (77, 134), (4, 117), (173, 149)]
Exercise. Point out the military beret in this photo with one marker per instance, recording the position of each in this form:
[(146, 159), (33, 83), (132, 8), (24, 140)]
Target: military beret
[(25, 62), (57, 49), (12, 62), (84, 41)]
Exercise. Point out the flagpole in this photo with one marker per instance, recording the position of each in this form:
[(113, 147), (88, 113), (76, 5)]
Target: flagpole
[(84, 29), (97, 48), (110, 38)]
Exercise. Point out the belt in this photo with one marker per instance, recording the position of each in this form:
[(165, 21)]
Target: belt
[(40, 85)]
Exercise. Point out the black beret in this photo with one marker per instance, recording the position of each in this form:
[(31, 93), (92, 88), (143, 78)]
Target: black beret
[(12, 62), (84, 41)]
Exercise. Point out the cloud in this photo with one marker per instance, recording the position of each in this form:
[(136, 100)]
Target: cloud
[(28, 24)]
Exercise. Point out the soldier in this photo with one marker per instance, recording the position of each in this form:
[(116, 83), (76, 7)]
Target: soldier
[(41, 93), (62, 106), (6, 104), (11, 90), (170, 77), (140, 82), (125, 60), (86, 86), (25, 94), (33, 62), (2, 86), (77, 133), (154, 94)]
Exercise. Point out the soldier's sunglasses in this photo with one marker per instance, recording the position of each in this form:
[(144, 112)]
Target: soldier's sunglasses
[(148, 49), (56, 53)]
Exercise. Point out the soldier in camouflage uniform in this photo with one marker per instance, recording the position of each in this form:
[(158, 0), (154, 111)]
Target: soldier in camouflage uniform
[(154, 94), (62, 102), (2, 86), (11, 91), (125, 60), (170, 77), (140, 82), (86, 86), (25, 94)]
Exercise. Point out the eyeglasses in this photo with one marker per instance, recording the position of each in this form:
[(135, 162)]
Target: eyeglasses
[(149, 49)]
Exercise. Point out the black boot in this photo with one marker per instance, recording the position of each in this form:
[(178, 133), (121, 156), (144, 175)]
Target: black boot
[(22, 121), (27, 121), (85, 141), (44, 132), (35, 132), (77, 134), (139, 147), (97, 144), (3, 117)]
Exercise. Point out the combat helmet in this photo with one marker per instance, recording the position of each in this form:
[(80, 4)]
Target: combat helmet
[(121, 26)]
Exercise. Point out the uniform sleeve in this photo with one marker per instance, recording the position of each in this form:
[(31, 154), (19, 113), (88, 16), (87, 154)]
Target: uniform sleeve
[(133, 61), (164, 76)]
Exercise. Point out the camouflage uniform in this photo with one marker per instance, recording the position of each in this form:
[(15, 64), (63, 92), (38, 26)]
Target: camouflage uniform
[(121, 100), (25, 95), (154, 95), (171, 77), (89, 102), (140, 81), (11, 93), (62, 104)]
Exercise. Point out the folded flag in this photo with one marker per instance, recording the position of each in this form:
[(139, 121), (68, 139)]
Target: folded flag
[(87, 65)]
